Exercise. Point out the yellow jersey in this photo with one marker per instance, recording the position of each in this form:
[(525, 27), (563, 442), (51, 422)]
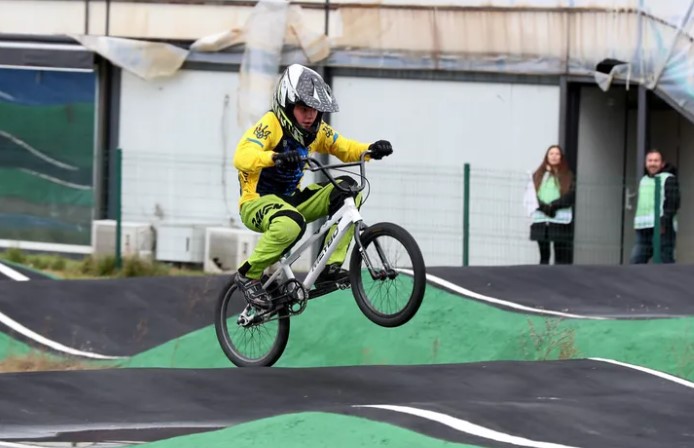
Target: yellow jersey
[(258, 174)]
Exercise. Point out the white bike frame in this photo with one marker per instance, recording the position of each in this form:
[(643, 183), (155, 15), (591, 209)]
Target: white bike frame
[(346, 216)]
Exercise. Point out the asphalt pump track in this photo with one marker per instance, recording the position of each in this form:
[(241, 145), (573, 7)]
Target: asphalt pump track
[(123, 317), (553, 404), (574, 403)]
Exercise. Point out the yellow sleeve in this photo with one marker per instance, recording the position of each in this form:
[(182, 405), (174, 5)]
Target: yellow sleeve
[(254, 150), (331, 142)]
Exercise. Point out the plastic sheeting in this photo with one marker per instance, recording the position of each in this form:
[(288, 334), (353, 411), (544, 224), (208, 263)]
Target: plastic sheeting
[(260, 64), (672, 70), (649, 41), (271, 25), (148, 60)]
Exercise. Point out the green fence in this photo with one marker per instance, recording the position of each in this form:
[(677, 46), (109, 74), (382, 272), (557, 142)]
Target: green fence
[(117, 198), (602, 228), (461, 215)]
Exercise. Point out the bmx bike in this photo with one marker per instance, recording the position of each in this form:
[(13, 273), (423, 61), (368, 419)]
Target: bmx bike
[(375, 271)]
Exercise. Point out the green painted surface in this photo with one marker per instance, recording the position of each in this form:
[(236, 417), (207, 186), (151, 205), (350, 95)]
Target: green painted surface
[(448, 329), (308, 429), (11, 347)]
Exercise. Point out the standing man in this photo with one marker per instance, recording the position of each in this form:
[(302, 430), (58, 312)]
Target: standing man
[(644, 222)]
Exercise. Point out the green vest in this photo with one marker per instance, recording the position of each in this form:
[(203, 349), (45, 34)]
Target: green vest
[(646, 202), (548, 192)]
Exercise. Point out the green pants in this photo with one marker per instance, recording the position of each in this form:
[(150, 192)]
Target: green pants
[(282, 221)]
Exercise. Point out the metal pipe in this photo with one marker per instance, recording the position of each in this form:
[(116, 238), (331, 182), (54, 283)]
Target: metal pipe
[(466, 214), (656, 223), (108, 16), (642, 128), (118, 172), (327, 17), (86, 17)]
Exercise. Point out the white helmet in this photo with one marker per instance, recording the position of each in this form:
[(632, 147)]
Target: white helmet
[(301, 85)]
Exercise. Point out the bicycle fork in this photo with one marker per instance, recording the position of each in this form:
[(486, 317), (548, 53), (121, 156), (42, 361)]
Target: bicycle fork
[(387, 271)]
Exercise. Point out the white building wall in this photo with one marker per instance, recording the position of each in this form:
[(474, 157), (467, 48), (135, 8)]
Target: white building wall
[(501, 129), (179, 135)]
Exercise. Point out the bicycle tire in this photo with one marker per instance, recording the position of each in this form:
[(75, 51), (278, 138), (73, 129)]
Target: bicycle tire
[(228, 346), (418, 269)]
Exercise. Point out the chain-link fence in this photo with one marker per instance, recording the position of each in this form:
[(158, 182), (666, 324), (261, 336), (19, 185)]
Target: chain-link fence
[(602, 229), (177, 208), (489, 226)]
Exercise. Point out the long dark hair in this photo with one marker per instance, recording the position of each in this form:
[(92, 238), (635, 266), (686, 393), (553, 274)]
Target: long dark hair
[(561, 172)]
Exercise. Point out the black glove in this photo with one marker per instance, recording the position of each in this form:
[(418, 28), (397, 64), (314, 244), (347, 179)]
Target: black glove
[(553, 207), (380, 149), (286, 158), (547, 209)]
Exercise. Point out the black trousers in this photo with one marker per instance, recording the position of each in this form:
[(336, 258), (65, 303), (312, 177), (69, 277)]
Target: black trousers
[(559, 235), (563, 252)]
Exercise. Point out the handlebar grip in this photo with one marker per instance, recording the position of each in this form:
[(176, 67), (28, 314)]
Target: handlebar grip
[(316, 165)]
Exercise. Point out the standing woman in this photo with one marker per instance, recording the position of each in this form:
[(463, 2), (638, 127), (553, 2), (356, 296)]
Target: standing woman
[(553, 219)]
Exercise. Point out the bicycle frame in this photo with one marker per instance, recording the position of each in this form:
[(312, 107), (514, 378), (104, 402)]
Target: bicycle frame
[(346, 216)]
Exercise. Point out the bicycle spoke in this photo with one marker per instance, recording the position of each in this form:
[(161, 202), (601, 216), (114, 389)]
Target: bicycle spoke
[(250, 343)]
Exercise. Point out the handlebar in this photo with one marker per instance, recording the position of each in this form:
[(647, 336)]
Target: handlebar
[(324, 168)]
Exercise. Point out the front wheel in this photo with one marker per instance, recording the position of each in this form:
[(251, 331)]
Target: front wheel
[(389, 284), (259, 343)]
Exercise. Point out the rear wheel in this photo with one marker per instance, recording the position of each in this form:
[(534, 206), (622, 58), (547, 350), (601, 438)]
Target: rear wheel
[(393, 293), (258, 344)]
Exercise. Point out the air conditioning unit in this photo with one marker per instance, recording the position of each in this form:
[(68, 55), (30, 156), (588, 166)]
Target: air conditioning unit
[(226, 248), (180, 242), (137, 238)]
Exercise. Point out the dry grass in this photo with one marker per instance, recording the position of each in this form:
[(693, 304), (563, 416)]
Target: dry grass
[(90, 267), (551, 342), (41, 362)]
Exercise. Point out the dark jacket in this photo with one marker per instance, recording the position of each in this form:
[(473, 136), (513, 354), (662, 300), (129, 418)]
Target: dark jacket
[(672, 196)]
